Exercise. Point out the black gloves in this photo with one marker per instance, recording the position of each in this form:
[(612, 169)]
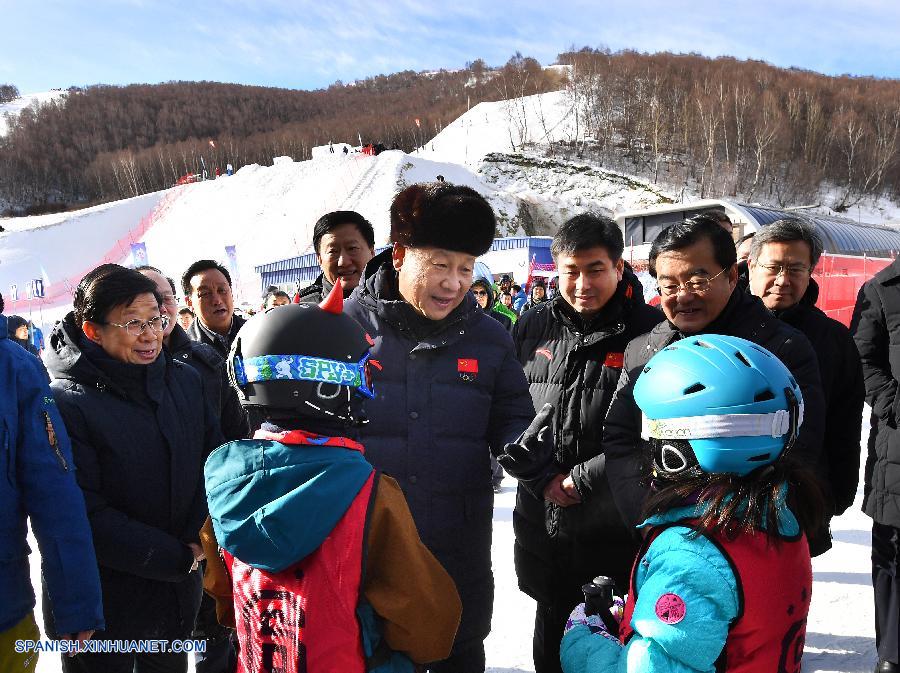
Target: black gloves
[(532, 457)]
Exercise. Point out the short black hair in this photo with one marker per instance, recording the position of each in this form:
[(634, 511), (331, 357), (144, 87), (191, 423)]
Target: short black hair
[(718, 214), (745, 237), (199, 266), (517, 288), (1, 303), (585, 231), (688, 232), (108, 286), (185, 310), (331, 221), (147, 267), (277, 293)]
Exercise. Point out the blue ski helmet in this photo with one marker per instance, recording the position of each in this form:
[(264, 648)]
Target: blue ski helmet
[(717, 404)]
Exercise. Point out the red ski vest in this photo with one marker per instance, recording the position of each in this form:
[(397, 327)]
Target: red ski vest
[(774, 586), (304, 617)]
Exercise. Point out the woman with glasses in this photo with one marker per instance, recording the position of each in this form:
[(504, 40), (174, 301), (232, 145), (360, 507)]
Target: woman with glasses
[(140, 427)]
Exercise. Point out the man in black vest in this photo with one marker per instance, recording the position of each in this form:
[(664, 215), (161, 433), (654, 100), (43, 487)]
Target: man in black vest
[(876, 330), (571, 348), (782, 257)]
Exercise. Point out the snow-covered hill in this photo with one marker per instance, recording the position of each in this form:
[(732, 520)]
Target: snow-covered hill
[(268, 212), (504, 127), (14, 107)]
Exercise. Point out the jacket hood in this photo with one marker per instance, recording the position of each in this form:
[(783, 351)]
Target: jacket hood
[(486, 284), (14, 322), (273, 504), (64, 357)]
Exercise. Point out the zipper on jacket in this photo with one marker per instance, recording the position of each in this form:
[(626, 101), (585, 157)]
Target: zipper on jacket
[(54, 443)]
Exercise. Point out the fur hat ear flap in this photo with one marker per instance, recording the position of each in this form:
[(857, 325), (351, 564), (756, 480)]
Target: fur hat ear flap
[(443, 215)]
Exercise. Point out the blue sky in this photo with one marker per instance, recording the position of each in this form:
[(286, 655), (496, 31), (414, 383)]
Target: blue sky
[(300, 44)]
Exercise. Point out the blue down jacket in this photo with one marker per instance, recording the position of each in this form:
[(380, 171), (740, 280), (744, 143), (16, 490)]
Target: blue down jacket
[(37, 479)]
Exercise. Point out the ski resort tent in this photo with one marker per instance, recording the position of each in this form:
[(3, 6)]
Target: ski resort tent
[(854, 251), (516, 256), (841, 236)]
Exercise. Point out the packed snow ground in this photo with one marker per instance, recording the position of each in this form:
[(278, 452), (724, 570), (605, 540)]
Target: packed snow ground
[(840, 632)]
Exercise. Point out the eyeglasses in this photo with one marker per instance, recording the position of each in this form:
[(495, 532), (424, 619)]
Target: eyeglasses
[(137, 327), (698, 285), (792, 270), (480, 293)]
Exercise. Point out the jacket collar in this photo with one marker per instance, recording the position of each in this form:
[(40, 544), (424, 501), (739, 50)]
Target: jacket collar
[(320, 285), (741, 307), (889, 273), (302, 437), (608, 319)]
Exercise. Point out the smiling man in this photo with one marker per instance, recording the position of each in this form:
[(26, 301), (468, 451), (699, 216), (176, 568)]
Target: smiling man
[(344, 242), (571, 348), (449, 390), (782, 257), (695, 265)]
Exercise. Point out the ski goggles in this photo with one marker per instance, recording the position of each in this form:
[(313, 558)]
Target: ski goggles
[(305, 368)]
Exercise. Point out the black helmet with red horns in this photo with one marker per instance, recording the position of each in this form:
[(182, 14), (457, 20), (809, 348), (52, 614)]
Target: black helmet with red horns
[(302, 360)]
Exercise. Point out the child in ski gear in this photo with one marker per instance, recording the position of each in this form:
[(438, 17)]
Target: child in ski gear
[(723, 578), (313, 555)]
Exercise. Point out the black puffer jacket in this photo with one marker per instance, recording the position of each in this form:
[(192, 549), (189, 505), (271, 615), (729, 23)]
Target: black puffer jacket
[(315, 292), (876, 330), (575, 367), (744, 316), (448, 394), (844, 391), (139, 434), (222, 344), (211, 368)]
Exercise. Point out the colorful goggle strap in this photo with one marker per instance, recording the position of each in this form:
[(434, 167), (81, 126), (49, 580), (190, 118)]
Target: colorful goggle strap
[(303, 368)]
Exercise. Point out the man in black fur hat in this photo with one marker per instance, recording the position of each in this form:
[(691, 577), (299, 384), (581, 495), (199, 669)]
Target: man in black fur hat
[(450, 372)]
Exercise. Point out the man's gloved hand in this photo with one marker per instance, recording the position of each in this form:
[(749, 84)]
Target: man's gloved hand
[(532, 457)]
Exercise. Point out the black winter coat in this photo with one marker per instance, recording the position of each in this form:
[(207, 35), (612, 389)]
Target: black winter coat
[(876, 330), (139, 434), (316, 291), (201, 334), (206, 361), (744, 316), (449, 393), (575, 367), (844, 391)]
